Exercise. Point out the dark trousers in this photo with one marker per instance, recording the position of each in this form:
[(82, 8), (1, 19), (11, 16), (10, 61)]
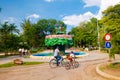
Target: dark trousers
[(57, 59)]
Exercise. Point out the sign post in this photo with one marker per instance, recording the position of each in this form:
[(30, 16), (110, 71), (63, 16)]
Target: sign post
[(107, 38)]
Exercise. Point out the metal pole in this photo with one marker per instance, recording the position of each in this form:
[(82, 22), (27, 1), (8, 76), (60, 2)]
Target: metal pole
[(98, 35)]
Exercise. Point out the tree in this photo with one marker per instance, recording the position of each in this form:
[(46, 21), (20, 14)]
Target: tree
[(13, 29), (111, 23), (85, 34), (48, 27), (8, 38), (34, 33), (29, 34)]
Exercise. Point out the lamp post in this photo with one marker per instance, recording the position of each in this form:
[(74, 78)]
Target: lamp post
[(98, 36)]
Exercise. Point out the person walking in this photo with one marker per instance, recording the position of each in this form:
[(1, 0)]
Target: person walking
[(20, 51), (23, 51)]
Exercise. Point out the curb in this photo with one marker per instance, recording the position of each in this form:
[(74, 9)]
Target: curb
[(105, 74)]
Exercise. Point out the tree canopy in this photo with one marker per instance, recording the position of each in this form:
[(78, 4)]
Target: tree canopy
[(85, 34), (111, 24), (8, 37), (34, 34)]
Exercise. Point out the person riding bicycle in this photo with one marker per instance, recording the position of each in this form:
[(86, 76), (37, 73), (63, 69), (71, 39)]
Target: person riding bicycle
[(71, 57), (57, 55)]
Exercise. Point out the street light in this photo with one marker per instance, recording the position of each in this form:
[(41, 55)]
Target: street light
[(98, 37)]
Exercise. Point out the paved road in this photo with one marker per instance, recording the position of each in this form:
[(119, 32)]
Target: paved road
[(86, 71)]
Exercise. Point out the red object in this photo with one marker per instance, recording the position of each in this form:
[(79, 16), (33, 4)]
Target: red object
[(107, 37)]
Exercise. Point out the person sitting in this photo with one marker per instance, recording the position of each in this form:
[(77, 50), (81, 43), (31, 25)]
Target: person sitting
[(57, 55), (71, 57)]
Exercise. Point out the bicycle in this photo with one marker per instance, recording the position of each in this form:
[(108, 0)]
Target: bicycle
[(53, 63), (75, 64)]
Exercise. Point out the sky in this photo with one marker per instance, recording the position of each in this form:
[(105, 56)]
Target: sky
[(71, 12)]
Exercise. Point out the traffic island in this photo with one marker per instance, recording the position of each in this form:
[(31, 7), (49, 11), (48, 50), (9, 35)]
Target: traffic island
[(110, 71)]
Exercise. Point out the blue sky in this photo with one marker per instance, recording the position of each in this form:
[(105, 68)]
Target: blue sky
[(71, 12)]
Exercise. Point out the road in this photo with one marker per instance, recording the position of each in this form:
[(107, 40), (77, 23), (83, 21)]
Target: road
[(86, 71)]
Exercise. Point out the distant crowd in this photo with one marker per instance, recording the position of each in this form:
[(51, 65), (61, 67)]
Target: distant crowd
[(24, 52)]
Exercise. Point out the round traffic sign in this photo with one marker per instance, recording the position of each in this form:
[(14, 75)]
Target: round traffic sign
[(107, 37), (107, 44)]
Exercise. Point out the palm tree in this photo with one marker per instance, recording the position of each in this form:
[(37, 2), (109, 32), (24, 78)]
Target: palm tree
[(4, 36), (7, 37), (12, 29)]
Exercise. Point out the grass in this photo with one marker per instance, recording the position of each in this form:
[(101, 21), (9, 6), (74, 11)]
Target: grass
[(3, 56), (10, 64), (114, 65), (102, 68)]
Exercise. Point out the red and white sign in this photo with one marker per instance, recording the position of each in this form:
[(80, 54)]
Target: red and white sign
[(107, 37)]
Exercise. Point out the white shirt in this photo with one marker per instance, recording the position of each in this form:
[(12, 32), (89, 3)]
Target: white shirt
[(56, 52), (23, 50), (26, 50), (72, 55), (20, 50)]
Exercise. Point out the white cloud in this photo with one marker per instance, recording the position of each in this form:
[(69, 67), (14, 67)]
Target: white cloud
[(89, 3), (49, 0), (105, 4), (10, 20), (33, 16), (74, 20)]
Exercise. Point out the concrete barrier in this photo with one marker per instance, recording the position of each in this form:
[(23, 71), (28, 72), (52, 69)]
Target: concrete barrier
[(106, 75)]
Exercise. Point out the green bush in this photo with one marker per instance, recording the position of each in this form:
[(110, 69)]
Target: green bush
[(114, 65)]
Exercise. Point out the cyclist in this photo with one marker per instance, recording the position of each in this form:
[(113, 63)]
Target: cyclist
[(71, 57), (57, 55)]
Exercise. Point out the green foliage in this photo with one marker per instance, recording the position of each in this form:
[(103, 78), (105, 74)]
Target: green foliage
[(28, 33), (85, 33), (9, 40), (10, 64), (34, 51), (114, 65), (111, 24), (115, 45), (56, 41), (34, 34), (32, 63)]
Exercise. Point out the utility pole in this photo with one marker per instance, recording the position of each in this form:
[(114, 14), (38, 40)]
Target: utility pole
[(98, 36)]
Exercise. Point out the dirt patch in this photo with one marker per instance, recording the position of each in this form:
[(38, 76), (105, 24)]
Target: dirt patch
[(112, 69)]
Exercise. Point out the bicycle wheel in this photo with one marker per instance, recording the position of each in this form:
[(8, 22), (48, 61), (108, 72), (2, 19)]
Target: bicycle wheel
[(76, 64), (67, 66), (62, 63), (53, 63)]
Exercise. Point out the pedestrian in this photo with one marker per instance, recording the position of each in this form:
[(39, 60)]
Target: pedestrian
[(26, 52), (23, 51), (20, 51)]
